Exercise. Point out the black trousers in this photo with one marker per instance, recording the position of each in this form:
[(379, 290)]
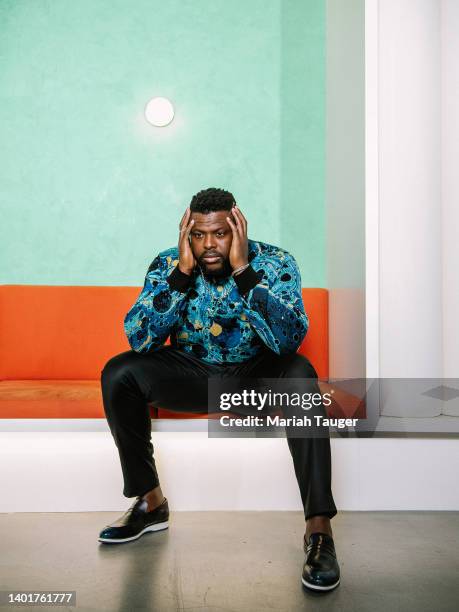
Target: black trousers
[(172, 379)]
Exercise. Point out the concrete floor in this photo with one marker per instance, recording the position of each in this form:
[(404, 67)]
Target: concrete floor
[(243, 561)]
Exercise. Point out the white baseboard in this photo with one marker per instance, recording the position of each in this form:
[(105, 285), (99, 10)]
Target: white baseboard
[(79, 471)]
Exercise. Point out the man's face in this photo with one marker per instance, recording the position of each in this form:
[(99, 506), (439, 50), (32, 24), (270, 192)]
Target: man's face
[(211, 239)]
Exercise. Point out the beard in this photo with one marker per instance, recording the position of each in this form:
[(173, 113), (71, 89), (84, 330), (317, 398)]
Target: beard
[(222, 272)]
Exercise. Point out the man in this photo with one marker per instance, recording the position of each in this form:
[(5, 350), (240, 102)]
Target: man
[(232, 308)]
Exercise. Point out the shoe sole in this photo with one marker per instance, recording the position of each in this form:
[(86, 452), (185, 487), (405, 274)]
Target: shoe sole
[(316, 587), (155, 527)]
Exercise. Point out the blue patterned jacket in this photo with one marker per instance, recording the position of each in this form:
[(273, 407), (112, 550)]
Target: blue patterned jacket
[(221, 321)]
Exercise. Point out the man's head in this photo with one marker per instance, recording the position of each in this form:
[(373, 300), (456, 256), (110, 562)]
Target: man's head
[(211, 236)]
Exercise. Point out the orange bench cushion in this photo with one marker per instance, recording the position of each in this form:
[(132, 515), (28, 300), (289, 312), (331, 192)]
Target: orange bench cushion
[(54, 342), (63, 333), (51, 399)]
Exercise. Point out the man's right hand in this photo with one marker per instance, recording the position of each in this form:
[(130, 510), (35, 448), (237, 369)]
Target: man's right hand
[(187, 262)]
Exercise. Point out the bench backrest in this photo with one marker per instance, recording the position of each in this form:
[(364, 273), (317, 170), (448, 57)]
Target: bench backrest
[(69, 333)]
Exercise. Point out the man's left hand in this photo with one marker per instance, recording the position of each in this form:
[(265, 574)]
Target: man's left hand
[(239, 252)]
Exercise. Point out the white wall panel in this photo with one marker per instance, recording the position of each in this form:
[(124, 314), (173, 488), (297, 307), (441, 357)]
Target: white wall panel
[(410, 189), (450, 184)]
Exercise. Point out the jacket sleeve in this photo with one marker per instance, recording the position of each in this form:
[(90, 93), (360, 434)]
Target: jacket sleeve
[(273, 303), (158, 307)]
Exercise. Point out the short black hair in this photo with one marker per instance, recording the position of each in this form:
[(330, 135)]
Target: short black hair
[(212, 200)]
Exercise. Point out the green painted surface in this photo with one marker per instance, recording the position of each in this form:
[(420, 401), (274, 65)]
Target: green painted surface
[(90, 192), (302, 158)]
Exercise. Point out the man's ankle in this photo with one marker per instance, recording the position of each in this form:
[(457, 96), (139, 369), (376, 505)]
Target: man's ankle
[(154, 498), (316, 524)]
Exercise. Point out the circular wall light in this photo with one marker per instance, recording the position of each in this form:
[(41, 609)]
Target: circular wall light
[(159, 112)]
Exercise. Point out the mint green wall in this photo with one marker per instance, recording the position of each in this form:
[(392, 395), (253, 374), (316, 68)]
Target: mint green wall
[(302, 159), (90, 192)]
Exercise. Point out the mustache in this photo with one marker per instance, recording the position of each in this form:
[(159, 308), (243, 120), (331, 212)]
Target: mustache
[(209, 254)]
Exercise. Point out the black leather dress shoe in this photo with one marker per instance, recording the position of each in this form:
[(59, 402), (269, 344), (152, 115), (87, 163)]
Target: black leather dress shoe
[(321, 569), (135, 522)]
